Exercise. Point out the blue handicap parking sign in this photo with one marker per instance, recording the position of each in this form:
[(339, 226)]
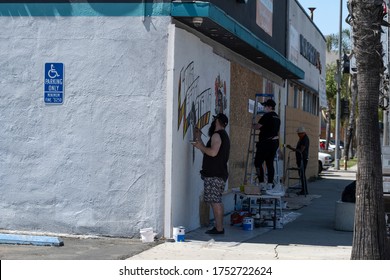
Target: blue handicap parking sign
[(54, 83)]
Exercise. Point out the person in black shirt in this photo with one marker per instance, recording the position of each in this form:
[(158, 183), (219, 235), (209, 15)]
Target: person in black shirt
[(214, 167), (269, 125), (302, 157)]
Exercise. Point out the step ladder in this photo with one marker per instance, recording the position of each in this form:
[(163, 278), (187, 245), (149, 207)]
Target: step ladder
[(295, 176), (250, 175), (250, 171)]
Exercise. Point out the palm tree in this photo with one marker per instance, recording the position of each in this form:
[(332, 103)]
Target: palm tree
[(332, 41), (369, 237)]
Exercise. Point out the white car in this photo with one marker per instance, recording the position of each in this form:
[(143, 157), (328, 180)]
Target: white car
[(324, 161)]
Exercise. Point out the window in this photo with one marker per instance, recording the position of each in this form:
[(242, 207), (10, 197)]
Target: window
[(296, 97), (310, 103)]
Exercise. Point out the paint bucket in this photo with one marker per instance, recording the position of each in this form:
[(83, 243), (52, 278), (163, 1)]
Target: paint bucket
[(179, 234), (147, 235), (247, 223)]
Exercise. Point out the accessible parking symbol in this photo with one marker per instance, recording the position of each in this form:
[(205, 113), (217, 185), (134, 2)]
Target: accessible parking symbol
[(54, 83)]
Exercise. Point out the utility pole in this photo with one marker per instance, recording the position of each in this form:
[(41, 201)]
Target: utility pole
[(337, 151), (385, 84)]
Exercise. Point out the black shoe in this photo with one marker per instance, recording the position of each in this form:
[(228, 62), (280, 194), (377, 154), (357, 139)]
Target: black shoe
[(215, 231)]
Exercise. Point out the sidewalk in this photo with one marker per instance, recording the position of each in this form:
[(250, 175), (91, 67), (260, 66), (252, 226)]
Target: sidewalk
[(308, 236)]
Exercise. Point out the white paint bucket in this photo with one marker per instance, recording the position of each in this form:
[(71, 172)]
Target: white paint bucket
[(147, 235), (247, 223), (179, 234)]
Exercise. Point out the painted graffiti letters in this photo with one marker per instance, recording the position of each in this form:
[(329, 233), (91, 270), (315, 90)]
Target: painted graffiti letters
[(196, 104), (220, 95), (194, 107)]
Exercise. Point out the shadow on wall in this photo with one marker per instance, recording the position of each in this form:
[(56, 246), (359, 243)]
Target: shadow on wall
[(21, 8), (66, 8), (145, 8), (111, 10)]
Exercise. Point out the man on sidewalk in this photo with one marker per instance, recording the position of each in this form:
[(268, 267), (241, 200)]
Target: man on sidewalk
[(268, 144), (214, 167), (302, 157)]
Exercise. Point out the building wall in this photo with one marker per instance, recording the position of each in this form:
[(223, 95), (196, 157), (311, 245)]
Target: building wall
[(115, 157), (245, 84), (95, 164), (307, 50), (307, 46), (201, 88)]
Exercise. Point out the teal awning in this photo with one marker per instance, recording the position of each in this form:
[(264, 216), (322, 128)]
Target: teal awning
[(246, 43)]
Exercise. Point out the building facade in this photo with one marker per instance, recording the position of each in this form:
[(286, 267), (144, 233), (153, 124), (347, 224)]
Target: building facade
[(305, 97), (98, 101)]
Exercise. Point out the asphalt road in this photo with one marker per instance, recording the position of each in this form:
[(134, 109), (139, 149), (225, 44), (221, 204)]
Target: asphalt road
[(77, 249)]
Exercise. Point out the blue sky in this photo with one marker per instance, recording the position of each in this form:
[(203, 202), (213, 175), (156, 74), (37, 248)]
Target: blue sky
[(327, 14)]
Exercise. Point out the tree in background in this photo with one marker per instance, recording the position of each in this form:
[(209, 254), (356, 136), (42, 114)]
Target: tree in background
[(351, 125), (369, 236), (331, 92), (332, 41)]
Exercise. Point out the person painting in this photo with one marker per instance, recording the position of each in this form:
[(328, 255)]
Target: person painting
[(269, 125), (214, 171), (302, 157)]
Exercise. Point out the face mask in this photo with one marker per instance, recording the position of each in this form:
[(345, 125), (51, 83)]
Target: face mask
[(212, 128)]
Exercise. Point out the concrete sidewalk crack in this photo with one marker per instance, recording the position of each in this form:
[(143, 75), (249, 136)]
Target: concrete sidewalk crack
[(276, 251)]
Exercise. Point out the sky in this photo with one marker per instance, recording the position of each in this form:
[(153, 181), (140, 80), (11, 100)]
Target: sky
[(327, 14)]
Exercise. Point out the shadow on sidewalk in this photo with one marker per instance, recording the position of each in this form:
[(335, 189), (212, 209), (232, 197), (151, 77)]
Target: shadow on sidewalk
[(315, 225), (313, 222)]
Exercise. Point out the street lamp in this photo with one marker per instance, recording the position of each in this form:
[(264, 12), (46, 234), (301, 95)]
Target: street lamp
[(337, 151), (311, 9)]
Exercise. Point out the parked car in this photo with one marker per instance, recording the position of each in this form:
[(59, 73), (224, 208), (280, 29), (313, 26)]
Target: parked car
[(332, 144), (324, 161)]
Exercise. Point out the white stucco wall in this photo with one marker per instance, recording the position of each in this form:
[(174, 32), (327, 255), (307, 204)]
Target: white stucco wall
[(95, 164), (199, 74)]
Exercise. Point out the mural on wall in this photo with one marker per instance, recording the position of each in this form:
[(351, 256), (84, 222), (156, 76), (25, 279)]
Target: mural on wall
[(194, 104), (220, 95)]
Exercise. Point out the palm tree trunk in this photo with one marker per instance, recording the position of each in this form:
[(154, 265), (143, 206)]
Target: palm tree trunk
[(369, 238)]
